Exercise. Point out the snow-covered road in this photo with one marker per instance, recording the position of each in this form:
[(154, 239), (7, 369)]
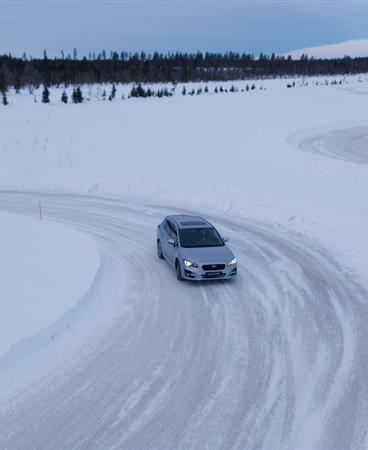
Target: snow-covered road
[(350, 144), (275, 360)]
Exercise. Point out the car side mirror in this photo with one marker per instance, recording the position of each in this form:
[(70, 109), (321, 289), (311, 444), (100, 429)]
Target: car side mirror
[(171, 241), (225, 238)]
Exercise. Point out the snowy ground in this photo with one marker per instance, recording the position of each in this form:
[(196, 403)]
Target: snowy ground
[(273, 360), (45, 269), (235, 152)]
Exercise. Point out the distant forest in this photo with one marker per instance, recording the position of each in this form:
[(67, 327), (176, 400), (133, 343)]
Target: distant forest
[(177, 67)]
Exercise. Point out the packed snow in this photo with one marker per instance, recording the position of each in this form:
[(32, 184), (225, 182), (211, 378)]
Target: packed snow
[(275, 359)]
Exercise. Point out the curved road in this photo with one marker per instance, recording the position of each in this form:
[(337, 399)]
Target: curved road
[(273, 360), (350, 144)]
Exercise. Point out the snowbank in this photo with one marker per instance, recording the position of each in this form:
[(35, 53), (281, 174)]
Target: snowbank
[(45, 268)]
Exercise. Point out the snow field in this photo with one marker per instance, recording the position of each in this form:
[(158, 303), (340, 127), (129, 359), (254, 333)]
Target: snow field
[(237, 152), (275, 359)]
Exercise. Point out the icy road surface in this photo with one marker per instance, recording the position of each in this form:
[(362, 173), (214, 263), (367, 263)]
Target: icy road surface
[(276, 359), (349, 144)]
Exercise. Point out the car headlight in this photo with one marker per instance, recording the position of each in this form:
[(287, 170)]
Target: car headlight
[(232, 262), (190, 263)]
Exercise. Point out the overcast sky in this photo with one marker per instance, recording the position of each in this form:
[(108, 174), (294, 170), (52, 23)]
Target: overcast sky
[(168, 25)]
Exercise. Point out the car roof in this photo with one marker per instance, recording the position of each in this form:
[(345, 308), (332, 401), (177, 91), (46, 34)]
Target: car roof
[(187, 221)]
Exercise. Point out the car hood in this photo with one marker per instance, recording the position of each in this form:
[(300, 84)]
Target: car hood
[(208, 255)]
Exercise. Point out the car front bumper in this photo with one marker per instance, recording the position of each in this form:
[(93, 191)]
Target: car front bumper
[(198, 274)]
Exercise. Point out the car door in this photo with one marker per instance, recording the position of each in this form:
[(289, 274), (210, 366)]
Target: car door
[(166, 235), (171, 250)]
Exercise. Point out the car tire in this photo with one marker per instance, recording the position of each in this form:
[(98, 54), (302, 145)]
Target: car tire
[(159, 250), (178, 271)]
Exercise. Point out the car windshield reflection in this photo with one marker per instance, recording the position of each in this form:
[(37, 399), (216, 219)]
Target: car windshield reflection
[(200, 237)]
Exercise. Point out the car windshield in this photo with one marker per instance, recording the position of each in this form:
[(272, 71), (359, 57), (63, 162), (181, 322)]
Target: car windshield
[(200, 237)]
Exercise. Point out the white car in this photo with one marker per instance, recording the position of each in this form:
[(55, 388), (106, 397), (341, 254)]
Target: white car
[(195, 249)]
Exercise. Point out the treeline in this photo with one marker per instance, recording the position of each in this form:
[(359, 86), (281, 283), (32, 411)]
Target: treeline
[(159, 68), (139, 90)]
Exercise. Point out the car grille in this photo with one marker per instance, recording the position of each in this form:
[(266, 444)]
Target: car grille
[(213, 267), (213, 275)]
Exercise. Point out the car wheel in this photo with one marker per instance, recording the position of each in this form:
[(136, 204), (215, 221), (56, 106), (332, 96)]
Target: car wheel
[(159, 250), (178, 271)]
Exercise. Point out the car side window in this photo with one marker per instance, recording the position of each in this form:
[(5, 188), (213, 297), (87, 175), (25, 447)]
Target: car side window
[(171, 230), (167, 228), (174, 233)]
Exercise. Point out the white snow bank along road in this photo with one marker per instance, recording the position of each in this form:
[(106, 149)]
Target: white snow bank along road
[(45, 268)]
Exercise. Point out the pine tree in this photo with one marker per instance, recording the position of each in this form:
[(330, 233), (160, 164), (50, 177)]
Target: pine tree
[(64, 97), (113, 93), (74, 96), (45, 94), (216, 90), (79, 95), (4, 99), (3, 89), (138, 91), (2, 82), (206, 89), (17, 84)]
